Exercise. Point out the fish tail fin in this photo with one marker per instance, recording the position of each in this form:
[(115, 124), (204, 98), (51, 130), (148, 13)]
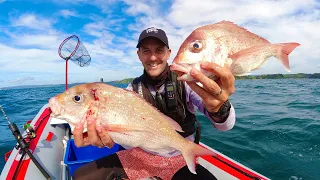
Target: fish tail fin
[(191, 152), (284, 49)]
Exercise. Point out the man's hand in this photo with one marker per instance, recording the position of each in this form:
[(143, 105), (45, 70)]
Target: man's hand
[(213, 93), (96, 135)]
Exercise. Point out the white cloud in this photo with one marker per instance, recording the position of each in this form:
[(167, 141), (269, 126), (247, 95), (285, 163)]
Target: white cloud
[(95, 28), (41, 40), (111, 40), (21, 80), (27, 60), (68, 13), (140, 7), (71, 1), (32, 21), (188, 13)]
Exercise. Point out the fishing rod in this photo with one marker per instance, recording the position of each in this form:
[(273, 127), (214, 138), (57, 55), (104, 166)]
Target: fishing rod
[(24, 146)]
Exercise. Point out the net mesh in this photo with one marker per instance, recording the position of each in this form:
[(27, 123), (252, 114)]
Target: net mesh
[(73, 49)]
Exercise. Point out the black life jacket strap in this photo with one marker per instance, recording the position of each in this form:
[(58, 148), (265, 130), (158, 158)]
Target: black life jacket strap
[(179, 95), (198, 132), (178, 88), (161, 104), (137, 86)]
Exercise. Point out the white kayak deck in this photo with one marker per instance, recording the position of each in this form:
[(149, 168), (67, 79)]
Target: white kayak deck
[(50, 146)]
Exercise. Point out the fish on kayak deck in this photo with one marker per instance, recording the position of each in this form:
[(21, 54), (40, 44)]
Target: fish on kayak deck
[(128, 118)]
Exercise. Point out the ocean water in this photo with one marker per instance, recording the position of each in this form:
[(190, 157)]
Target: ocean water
[(276, 133)]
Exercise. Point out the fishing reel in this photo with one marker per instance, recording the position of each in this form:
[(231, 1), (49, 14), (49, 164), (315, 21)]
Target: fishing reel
[(30, 132), (28, 135)]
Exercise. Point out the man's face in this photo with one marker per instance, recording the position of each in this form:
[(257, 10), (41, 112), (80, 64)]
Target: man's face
[(153, 55)]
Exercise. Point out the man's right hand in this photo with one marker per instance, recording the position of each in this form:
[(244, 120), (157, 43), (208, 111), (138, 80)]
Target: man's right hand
[(96, 135)]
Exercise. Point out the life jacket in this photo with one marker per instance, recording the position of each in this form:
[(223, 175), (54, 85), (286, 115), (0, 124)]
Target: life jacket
[(173, 104)]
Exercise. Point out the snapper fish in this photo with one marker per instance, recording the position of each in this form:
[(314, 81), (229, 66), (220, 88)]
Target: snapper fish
[(227, 44), (128, 118)]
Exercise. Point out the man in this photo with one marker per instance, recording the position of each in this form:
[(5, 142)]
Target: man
[(178, 100)]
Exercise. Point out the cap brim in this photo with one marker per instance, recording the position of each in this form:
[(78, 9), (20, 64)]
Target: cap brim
[(138, 45)]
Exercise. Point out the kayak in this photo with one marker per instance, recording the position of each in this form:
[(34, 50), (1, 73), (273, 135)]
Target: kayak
[(53, 154)]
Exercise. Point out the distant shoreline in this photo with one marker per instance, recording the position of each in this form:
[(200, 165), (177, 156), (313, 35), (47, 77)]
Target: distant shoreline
[(264, 76), (250, 77), (282, 76)]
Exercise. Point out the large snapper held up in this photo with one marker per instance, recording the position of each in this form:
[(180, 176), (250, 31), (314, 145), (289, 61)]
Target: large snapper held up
[(129, 119), (227, 44)]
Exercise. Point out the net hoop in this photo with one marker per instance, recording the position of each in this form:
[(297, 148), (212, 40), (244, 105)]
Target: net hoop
[(75, 49)]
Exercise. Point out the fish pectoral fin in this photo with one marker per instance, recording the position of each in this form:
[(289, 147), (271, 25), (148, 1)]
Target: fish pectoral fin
[(250, 59), (122, 128)]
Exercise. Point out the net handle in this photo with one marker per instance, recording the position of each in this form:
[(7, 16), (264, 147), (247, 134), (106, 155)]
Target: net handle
[(75, 49)]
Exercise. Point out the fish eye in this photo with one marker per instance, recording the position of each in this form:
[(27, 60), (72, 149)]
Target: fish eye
[(196, 45), (77, 98)]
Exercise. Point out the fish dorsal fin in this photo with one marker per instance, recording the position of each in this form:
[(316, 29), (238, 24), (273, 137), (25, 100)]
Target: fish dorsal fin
[(233, 29), (230, 41)]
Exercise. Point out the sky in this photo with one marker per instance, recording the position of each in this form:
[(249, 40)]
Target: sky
[(32, 31)]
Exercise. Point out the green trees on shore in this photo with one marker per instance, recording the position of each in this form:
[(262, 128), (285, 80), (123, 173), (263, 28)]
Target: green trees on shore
[(280, 76), (264, 76)]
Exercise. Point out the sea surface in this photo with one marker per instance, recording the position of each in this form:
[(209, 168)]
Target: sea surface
[(277, 131)]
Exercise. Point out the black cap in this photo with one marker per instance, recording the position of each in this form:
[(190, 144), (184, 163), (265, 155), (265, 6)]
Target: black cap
[(153, 32)]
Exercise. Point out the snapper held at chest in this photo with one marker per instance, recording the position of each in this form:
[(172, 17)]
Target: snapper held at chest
[(227, 44), (128, 119)]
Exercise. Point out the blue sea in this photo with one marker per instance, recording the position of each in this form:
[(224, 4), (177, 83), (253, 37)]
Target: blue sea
[(277, 131)]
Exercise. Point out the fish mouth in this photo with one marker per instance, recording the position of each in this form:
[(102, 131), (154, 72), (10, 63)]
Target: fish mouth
[(58, 115), (183, 70), (55, 115), (55, 108)]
